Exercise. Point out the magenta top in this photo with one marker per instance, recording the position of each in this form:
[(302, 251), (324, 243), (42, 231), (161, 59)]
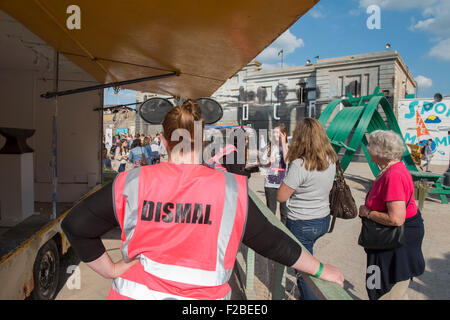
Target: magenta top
[(395, 184)]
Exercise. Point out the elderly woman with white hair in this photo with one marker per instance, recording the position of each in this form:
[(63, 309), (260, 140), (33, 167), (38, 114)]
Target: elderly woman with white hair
[(390, 202)]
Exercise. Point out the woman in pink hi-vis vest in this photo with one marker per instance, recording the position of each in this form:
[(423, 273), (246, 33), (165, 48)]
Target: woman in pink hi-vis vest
[(182, 223)]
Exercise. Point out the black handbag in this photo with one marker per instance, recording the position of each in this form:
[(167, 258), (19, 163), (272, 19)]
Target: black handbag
[(342, 204), (380, 237)]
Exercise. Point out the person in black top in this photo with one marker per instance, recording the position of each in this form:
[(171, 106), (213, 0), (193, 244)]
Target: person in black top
[(94, 216)]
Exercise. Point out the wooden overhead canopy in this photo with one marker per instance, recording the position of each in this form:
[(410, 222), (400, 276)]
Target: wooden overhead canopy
[(205, 41)]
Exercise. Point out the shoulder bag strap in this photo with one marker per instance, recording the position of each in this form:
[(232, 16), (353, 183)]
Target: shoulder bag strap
[(339, 176), (409, 200)]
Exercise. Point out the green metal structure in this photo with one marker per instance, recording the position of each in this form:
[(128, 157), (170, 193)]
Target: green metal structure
[(356, 116)]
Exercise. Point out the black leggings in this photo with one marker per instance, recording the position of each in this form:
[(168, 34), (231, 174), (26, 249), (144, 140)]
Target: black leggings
[(271, 200)]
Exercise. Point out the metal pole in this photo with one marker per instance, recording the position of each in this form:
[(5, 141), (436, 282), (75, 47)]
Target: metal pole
[(103, 145), (49, 95), (117, 106), (55, 138), (447, 173)]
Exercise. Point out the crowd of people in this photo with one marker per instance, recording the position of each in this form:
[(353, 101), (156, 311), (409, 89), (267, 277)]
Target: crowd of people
[(128, 152), (182, 201)]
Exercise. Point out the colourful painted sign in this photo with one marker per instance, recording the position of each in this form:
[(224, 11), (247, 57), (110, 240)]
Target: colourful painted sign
[(428, 108), (423, 119), (122, 131)]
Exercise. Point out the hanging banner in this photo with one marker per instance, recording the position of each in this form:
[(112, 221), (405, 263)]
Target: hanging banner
[(423, 119), (108, 137), (121, 131)]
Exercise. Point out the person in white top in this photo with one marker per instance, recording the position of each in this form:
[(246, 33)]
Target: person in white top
[(274, 162), (121, 157)]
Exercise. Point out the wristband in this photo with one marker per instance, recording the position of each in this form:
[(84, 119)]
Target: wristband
[(319, 272)]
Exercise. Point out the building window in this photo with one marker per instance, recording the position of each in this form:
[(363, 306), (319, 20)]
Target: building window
[(354, 88)]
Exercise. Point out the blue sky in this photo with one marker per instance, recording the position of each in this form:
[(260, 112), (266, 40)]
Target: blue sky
[(123, 97), (418, 29)]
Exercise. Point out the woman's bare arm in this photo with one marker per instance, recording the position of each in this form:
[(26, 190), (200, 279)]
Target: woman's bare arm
[(308, 264), (395, 216), (284, 146), (108, 269), (284, 193)]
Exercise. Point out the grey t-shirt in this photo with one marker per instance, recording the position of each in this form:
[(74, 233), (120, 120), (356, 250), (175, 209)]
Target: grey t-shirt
[(310, 199)]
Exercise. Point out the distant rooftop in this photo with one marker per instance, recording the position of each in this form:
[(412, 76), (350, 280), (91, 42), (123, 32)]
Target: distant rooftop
[(322, 63)]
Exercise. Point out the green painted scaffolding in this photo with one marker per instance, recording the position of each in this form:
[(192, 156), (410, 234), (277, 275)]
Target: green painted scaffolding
[(347, 121)]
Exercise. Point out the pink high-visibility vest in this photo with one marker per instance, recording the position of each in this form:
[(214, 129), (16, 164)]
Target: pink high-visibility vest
[(184, 223)]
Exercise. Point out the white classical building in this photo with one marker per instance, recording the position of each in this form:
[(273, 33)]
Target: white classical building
[(265, 98)]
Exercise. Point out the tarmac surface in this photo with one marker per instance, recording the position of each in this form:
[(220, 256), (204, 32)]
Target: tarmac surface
[(338, 248)]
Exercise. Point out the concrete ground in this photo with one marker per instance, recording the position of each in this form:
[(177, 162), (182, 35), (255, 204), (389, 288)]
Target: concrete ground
[(339, 248)]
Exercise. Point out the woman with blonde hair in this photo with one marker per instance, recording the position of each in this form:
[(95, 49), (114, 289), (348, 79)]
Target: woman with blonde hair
[(306, 187), (182, 223)]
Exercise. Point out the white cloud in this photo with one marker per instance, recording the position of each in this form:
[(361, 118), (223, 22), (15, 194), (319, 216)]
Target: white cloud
[(316, 13), (423, 82), (435, 13), (286, 42), (424, 23), (435, 20), (398, 4), (441, 51), (269, 54), (272, 66)]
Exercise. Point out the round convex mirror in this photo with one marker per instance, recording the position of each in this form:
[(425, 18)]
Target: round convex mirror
[(154, 110), (438, 97), (211, 110)]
